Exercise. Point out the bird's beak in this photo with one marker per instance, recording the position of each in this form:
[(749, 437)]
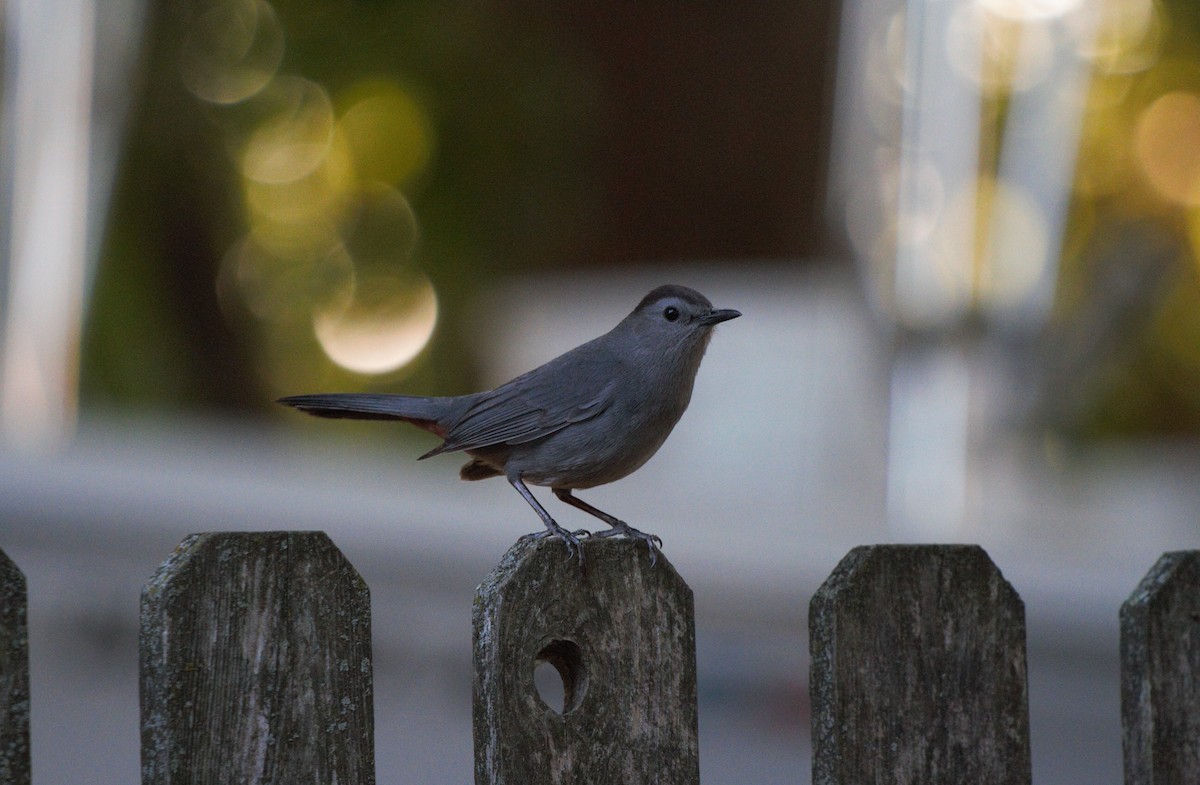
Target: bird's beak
[(717, 316)]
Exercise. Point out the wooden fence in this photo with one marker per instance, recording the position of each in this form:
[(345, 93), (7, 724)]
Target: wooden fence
[(256, 668)]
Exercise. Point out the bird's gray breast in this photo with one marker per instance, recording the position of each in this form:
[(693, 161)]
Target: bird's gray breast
[(614, 443)]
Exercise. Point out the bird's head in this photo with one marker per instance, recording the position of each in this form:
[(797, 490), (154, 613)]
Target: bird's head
[(676, 317), (674, 309)]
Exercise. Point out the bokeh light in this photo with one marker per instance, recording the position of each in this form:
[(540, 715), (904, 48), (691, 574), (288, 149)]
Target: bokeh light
[(380, 317), (1030, 10), (294, 139), (1167, 145), (331, 241), (934, 277), (383, 323), (284, 288), (233, 51), (297, 216), (1015, 252), (999, 54), (379, 227), (1125, 38), (388, 132)]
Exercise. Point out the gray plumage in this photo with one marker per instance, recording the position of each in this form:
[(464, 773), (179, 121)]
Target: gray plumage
[(588, 417)]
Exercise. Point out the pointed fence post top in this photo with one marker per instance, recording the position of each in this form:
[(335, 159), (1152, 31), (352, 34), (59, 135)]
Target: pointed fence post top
[(918, 669), (9, 571), (620, 634), (244, 552), (256, 663), (1176, 575), (883, 567), (1160, 673)]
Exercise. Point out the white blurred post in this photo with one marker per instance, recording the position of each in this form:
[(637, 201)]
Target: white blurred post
[(928, 442), (939, 165), (48, 81), (927, 454), (958, 125)]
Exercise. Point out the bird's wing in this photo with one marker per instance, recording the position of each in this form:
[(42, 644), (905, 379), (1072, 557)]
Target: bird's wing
[(522, 411)]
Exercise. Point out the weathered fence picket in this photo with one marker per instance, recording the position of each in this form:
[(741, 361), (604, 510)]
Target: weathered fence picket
[(14, 676), (256, 668), (256, 664), (1160, 673), (621, 635), (918, 669)]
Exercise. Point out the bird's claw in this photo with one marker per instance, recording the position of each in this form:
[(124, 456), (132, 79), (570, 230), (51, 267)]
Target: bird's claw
[(622, 529), (619, 529), (544, 533), (569, 538)]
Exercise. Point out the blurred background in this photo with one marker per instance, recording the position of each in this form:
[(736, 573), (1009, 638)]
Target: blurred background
[(964, 235)]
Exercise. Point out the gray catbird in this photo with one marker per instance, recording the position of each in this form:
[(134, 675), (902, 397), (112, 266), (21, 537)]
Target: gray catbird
[(587, 417)]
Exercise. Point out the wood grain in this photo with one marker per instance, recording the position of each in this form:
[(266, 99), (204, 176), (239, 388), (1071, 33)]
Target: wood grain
[(14, 676), (256, 664), (1160, 673), (623, 633), (918, 670)]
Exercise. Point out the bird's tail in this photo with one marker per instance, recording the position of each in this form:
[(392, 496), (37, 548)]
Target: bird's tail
[(429, 413)]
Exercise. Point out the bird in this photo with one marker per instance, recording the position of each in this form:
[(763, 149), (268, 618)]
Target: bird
[(589, 417)]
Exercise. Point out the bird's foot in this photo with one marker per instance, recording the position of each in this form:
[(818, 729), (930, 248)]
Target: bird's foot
[(544, 533), (622, 529), (570, 539)]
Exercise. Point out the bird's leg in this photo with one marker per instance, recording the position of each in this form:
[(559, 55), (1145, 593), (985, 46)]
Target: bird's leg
[(571, 540), (618, 526)]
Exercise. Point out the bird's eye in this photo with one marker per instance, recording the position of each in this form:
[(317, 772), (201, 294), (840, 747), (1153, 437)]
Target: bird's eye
[(671, 313)]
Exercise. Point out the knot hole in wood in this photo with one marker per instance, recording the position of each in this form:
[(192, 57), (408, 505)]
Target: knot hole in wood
[(560, 675)]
